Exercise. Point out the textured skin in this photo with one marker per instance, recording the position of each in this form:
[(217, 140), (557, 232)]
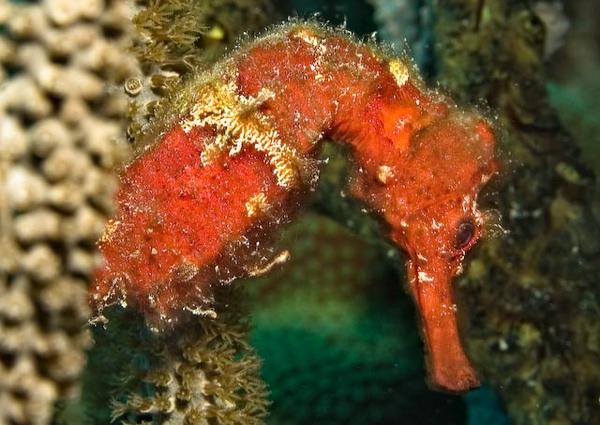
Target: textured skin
[(196, 207)]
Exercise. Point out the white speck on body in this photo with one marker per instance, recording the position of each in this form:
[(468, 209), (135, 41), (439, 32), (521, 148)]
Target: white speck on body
[(424, 277), (399, 70), (384, 174)]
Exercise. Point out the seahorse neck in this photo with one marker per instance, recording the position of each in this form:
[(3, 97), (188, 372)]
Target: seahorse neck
[(325, 85)]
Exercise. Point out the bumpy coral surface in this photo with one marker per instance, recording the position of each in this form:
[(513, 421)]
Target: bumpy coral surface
[(60, 126), (197, 206)]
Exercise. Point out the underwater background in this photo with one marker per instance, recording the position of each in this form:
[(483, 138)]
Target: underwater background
[(332, 337)]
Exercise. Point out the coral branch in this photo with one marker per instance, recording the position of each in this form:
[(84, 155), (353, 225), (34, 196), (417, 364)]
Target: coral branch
[(237, 160)]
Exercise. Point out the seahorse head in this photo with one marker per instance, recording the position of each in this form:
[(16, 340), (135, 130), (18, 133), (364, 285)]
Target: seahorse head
[(440, 221)]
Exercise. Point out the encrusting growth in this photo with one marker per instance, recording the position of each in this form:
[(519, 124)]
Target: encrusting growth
[(197, 207), (238, 121), (205, 372)]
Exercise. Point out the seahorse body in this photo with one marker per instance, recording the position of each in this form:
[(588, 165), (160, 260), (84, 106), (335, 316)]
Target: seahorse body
[(196, 208)]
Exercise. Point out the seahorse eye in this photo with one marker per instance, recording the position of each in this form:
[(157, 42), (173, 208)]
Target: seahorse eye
[(464, 233)]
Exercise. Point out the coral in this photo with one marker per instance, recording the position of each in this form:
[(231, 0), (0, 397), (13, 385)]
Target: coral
[(250, 127), (203, 372), (60, 126), (179, 37), (532, 296), (171, 32)]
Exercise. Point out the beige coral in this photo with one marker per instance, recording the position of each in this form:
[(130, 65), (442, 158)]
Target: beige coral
[(206, 374), (62, 63)]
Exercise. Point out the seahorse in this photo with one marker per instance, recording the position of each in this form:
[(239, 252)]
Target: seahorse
[(238, 157)]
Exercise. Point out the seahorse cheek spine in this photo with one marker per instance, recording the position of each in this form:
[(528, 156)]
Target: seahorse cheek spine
[(197, 207)]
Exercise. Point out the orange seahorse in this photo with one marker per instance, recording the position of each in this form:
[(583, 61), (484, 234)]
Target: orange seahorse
[(196, 208)]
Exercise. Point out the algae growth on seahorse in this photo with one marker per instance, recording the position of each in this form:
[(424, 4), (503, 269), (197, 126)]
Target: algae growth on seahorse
[(237, 158)]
